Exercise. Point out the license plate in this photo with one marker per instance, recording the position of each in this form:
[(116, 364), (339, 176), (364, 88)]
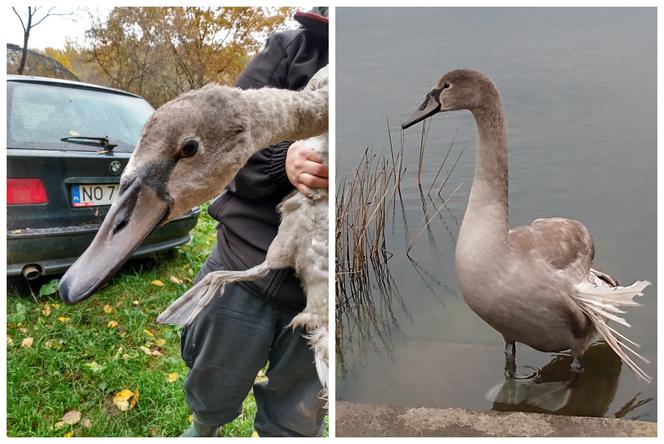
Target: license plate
[(92, 195)]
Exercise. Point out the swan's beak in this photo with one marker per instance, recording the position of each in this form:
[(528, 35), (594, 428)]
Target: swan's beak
[(430, 107), (131, 218)]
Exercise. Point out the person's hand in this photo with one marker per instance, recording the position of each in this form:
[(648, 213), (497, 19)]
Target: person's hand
[(305, 169)]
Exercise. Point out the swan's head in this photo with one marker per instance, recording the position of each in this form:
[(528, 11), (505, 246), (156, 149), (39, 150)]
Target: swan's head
[(191, 147), (456, 90), (189, 150)]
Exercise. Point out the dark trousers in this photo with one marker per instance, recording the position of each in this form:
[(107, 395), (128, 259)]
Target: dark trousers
[(226, 346)]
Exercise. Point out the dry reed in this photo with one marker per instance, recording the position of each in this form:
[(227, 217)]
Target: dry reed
[(365, 290)]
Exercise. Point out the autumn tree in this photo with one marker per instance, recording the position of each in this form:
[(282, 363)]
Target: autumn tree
[(160, 53), (63, 56), (78, 60)]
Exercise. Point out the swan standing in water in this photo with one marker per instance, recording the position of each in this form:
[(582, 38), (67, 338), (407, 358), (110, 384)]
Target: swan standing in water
[(534, 284)]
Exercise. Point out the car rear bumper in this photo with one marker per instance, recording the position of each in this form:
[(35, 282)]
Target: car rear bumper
[(53, 250)]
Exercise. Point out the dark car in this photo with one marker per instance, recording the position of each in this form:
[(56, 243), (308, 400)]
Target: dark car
[(67, 144)]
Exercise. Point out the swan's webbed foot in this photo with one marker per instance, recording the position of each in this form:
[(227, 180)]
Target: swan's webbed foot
[(308, 321), (510, 359)]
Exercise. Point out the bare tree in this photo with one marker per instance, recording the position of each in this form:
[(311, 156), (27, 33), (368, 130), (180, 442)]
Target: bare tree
[(30, 22)]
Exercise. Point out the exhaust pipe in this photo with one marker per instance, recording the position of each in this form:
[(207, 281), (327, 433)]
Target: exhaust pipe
[(31, 272)]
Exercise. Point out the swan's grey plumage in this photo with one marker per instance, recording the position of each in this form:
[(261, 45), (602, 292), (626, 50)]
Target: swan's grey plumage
[(301, 243), (534, 284), (163, 180)]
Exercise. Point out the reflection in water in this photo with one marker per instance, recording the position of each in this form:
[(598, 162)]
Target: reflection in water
[(555, 389), (365, 323), (365, 289)]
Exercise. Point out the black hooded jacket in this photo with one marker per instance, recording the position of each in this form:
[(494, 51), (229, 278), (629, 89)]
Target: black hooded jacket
[(246, 211)]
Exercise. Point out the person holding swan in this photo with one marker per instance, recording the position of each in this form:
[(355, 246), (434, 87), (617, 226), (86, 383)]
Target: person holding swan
[(233, 338)]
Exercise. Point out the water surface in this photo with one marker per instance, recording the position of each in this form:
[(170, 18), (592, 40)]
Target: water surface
[(579, 87)]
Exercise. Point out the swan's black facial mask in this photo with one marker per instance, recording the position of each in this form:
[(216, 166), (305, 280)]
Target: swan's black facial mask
[(142, 204), (430, 107)]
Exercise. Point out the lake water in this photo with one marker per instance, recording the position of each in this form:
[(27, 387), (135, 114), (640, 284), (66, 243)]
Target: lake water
[(579, 87)]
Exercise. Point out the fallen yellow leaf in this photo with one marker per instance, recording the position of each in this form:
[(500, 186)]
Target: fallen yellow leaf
[(64, 319), (72, 417), (157, 282), (108, 308), (46, 311), (112, 324), (255, 434), (160, 342), (175, 280), (134, 399), (123, 395), (69, 434), (146, 350), (9, 340), (172, 377), (121, 399), (56, 305), (27, 342), (261, 376), (148, 332)]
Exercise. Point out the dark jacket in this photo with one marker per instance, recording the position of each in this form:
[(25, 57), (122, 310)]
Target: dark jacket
[(246, 211)]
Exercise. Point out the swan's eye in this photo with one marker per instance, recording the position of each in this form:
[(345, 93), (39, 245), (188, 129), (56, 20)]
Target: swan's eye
[(189, 148)]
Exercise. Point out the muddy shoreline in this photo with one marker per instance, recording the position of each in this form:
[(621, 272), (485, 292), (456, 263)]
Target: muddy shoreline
[(378, 420)]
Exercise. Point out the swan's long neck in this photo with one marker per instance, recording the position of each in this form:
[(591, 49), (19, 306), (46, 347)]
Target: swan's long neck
[(487, 211), (278, 115)]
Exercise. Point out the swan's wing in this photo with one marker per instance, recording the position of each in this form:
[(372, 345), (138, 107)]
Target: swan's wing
[(564, 244), (319, 80)]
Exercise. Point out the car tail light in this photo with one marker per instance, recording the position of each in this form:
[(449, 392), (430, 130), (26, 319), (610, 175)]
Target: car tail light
[(26, 191)]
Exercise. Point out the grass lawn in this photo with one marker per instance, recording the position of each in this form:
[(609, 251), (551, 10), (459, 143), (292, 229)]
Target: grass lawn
[(80, 358)]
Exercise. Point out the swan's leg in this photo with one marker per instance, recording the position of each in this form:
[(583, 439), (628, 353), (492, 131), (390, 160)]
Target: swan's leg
[(576, 366), (574, 380), (510, 351), (315, 313), (510, 359), (313, 319)]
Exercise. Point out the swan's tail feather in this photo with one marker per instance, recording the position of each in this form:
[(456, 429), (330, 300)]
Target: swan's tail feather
[(317, 335), (184, 309), (318, 340), (601, 302)]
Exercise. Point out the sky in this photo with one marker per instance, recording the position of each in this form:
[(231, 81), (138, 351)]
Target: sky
[(53, 31)]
